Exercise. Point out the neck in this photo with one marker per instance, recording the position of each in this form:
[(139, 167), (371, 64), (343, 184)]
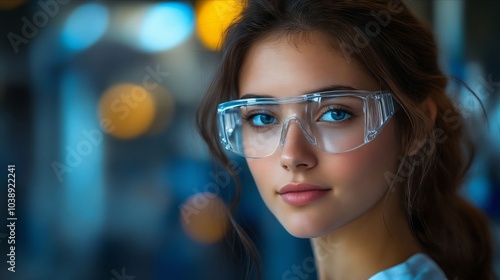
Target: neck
[(377, 240)]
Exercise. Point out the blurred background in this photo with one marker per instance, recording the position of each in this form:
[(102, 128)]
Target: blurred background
[(97, 108)]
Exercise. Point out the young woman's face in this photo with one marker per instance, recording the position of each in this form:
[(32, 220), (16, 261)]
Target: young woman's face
[(352, 184)]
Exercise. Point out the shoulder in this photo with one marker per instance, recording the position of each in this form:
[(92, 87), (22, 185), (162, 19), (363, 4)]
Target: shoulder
[(417, 267)]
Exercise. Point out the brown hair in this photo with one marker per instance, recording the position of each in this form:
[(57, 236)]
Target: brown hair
[(399, 51)]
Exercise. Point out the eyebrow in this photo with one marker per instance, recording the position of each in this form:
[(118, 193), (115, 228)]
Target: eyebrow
[(321, 89)]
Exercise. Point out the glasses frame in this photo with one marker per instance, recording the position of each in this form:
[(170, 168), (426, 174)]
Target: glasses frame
[(383, 102)]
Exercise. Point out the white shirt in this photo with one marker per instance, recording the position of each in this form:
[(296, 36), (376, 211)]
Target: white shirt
[(417, 267)]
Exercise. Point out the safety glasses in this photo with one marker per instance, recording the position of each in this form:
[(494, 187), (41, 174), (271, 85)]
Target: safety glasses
[(333, 121)]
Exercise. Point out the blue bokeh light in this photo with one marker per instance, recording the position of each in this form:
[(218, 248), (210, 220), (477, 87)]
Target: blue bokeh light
[(165, 26), (85, 26)]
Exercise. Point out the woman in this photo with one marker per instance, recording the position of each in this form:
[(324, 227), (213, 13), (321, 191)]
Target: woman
[(339, 108)]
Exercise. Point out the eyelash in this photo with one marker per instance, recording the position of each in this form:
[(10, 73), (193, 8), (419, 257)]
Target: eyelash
[(324, 110), (248, 116)]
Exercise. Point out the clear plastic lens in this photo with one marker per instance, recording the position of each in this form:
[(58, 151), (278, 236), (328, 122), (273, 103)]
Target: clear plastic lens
[(335, 122)]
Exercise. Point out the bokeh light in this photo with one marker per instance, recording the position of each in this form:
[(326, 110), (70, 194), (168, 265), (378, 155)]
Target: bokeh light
[(213, 18), (165, 26), (204, 218), (85, 26), (10, 4), (126, 111)]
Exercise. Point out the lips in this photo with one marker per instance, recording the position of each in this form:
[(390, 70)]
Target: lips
[(302, 194)]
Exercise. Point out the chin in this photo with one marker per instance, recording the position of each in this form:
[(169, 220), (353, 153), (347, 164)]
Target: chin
[(302, 230), (302, 234), (310, 224)]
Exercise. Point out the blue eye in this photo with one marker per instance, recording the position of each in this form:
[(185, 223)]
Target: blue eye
[(335, 115), (262, 120)]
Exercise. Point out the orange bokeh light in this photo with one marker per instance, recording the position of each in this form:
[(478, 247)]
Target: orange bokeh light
[(126, 111), (204, 218), (11, 4)]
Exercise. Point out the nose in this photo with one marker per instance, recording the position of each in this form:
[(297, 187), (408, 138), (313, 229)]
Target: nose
[(297, 152)]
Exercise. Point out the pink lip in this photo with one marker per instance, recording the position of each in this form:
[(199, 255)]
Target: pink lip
[(301, 194)]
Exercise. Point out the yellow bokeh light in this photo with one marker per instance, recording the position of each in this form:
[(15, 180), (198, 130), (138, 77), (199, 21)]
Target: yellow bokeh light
[(204, 218), (126, 111), (213, 18), (10, 4)]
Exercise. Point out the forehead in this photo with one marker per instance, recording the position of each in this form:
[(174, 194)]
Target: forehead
[(279, 67)]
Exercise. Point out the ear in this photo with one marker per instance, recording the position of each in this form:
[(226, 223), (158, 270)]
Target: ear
[(430, 109)]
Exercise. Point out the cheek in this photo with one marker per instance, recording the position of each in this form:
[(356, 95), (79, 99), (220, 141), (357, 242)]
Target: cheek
[(363, 171), (262, 171), (266, 174)]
